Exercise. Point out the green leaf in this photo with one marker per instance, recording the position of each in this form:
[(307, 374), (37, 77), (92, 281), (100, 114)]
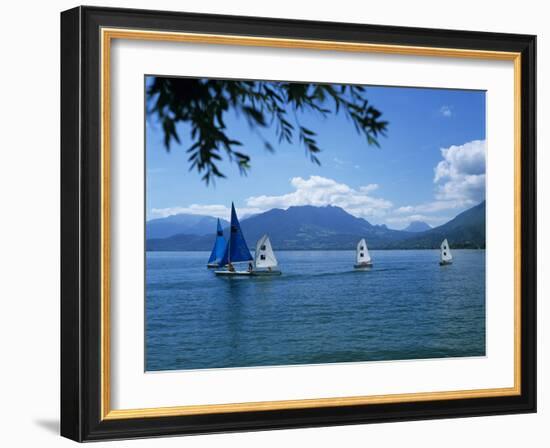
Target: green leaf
[(203, 103)]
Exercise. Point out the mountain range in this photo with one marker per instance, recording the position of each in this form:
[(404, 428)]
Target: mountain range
[(316, 228), (466, 231), (417, 226), (182, 223)]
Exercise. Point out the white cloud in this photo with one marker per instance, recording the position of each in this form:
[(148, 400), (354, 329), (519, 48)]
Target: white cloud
[(405, 209), (461, 174), (459, 179), (316, 190), (430, 207), (446, 111), (216, 210), (320, 191), (368, 188)]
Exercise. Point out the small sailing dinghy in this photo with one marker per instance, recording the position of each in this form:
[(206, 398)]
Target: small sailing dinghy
[(363, 259), (236, 250), (445, 254), (265, 262), (218, 250)]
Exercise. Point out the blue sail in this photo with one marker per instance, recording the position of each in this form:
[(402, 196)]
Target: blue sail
[(219, 246), (236, 249)]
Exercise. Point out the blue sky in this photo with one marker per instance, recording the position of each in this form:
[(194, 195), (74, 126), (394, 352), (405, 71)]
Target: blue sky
[(429, 167)]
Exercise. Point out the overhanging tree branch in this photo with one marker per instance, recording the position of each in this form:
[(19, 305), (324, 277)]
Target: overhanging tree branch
[(203, 103)]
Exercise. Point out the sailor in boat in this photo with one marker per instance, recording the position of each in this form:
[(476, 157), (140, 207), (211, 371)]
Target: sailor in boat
[(218, 249), (445, 256), (362, 256), (236, 250)]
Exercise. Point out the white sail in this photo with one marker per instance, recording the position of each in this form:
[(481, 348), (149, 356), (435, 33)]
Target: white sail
[(445, 251), (363, 255), (264, 256)]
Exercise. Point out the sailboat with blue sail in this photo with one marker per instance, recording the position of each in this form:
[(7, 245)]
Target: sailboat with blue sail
[(236, 250), (218, 250)]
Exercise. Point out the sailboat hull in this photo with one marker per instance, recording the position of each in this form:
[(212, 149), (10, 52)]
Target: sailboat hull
[(266, 273), (246, 273), (233, 273), (445, 263), (363, 265)]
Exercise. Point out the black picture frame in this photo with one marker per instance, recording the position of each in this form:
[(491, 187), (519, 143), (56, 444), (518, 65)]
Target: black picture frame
[(81, 224)]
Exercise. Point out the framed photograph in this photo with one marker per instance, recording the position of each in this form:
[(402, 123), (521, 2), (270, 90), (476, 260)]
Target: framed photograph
[(276, 224)]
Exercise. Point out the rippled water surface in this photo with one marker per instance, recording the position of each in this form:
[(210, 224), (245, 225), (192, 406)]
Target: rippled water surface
[(319, 311)]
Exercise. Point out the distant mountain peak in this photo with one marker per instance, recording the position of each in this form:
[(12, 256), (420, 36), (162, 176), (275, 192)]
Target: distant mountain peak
[(332, 213), (320, 228), (417, 226)]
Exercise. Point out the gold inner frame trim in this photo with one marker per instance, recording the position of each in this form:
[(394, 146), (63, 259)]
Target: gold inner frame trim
[(107, 35)]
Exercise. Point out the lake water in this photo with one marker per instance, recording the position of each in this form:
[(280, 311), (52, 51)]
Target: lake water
[(319, 311)]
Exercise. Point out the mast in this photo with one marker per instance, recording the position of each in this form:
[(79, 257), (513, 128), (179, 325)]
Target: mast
[(236, 250)]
